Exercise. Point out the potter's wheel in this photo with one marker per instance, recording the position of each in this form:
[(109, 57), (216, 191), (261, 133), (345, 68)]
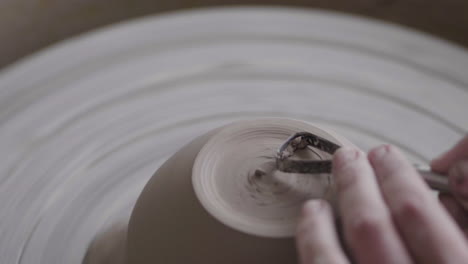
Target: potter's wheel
[(86, 123)]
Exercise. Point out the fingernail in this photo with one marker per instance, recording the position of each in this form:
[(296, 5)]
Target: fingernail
[(344, 156), (379, 152), (312, 207)]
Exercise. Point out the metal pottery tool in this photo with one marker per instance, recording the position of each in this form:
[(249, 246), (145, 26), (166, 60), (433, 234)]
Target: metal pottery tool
[(302, 140)]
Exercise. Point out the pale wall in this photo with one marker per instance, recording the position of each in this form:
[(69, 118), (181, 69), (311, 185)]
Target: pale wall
[(28, 25)]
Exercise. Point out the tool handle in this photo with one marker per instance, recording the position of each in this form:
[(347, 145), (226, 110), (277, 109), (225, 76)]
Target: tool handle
[(436, 181)]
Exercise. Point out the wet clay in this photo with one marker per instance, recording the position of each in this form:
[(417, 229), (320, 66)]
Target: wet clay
[(220, 199)]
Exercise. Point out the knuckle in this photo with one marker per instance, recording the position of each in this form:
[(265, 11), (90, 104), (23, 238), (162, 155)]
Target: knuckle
[(409, 207), (367, 227)]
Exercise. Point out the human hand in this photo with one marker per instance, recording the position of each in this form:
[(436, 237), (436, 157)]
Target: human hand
[(454, 163), (388, 215)]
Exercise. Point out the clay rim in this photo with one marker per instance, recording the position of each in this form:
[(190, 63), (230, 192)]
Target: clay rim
[(221, 213)]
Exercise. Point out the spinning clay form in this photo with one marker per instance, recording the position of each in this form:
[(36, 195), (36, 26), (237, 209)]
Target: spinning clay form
[(220, 198)]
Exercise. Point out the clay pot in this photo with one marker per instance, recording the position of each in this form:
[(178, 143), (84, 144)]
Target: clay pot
[(220, 200)]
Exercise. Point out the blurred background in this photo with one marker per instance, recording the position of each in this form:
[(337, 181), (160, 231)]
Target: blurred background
[(29, 25)]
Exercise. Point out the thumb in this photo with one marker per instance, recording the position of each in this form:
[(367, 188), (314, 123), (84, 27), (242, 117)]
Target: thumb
[(458, 180), (459, 152)]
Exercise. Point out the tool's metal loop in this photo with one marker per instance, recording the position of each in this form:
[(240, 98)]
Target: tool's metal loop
[(283, 163), (302, 166)]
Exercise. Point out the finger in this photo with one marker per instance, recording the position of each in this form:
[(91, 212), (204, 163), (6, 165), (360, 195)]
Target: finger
[(443, 163), (458, 182), (455, 209), (458, 178), (368, 227), (316, 238), (431, 235)]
